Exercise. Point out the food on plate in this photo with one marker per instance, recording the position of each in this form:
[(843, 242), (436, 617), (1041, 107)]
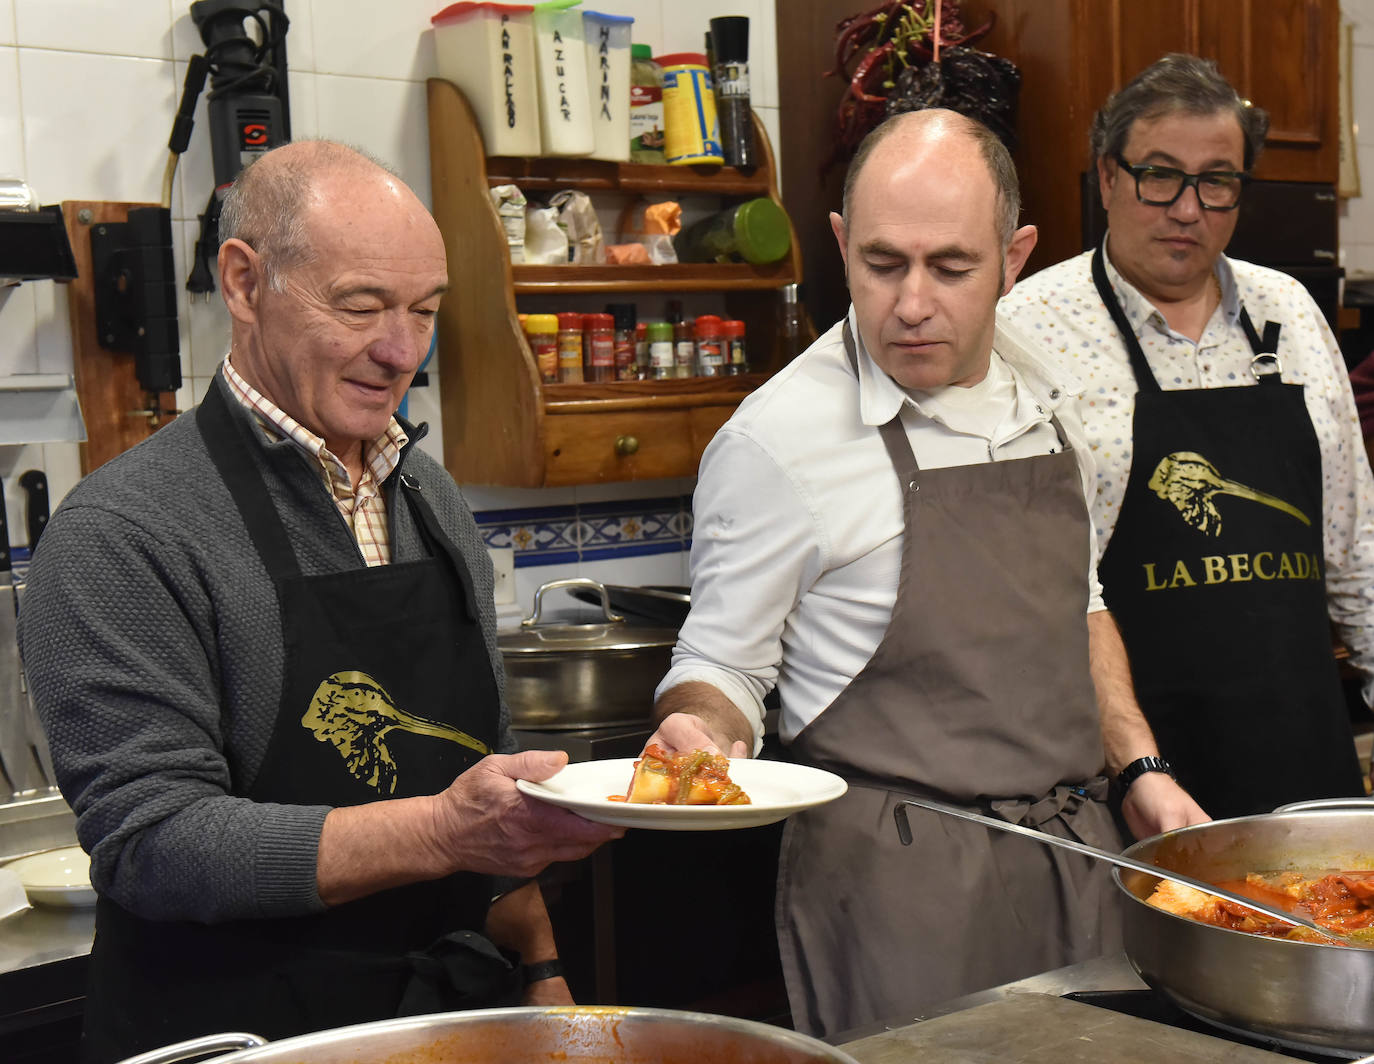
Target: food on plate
[(697, 777), (1341, 901)]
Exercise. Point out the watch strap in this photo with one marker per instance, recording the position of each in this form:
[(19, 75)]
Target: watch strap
[(1139, 767), (541, 970)]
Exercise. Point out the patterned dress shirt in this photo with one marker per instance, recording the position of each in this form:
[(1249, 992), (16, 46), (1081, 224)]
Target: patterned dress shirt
[(362, 506), (1060, 308)]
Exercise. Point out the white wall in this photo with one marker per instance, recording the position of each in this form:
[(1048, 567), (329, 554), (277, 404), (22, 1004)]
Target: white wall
[(88, 90), (1357, 214)]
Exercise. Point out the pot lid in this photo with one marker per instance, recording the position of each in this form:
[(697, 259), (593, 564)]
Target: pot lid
[(585, 638)]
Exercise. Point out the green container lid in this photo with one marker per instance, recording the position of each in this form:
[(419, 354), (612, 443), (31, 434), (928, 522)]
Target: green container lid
[(762, 234), (641, 51), (659, 331)]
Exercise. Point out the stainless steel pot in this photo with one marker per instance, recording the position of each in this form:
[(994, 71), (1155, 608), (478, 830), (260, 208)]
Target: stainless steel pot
[(1301, 994), (561, 676), (604, 1035)]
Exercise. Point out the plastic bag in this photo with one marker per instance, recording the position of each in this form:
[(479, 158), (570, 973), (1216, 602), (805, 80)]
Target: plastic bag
[(577, 218), (510, 208), (546, 243)]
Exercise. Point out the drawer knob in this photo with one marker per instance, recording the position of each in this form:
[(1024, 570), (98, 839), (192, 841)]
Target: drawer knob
[(626, 445)]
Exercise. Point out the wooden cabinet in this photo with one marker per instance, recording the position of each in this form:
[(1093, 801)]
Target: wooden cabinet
[(1282, 54), (502, 424)]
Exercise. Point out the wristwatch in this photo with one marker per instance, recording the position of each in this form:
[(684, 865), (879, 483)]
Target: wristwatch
[(1139, 767), (541, 970)]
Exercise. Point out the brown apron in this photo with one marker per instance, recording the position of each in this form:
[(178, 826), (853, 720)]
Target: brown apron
[(979, 694)]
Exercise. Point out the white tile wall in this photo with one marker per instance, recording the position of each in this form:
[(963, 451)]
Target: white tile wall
[(88, 89)]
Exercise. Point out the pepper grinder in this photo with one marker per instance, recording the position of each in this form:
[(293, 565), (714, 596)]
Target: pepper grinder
[(730, 45)]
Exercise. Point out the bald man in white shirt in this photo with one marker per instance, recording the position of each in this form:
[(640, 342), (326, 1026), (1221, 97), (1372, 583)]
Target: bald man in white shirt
[(893, 531)]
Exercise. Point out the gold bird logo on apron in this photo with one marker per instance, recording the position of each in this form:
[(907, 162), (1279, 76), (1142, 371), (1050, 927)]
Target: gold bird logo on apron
[(1190, 482), (353, 713)]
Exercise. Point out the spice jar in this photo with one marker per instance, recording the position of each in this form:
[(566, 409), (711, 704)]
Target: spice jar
[(542, 332), (598, 347), (642, 350), (570, 348), (710, 346), (736, 359), (684, 350), (624, 315), (660, 350)]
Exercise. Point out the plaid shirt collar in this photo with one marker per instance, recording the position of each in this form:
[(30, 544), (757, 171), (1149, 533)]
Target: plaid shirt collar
[(380, 457)]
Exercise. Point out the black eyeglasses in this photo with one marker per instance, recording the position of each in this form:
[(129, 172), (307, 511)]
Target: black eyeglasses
[(1161, 186)]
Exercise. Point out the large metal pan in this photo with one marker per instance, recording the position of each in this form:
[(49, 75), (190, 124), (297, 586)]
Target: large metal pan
[(1305, 995), (567, 1035), (562, 676)]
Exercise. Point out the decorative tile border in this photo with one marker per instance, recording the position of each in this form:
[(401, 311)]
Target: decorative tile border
[(552, 535)]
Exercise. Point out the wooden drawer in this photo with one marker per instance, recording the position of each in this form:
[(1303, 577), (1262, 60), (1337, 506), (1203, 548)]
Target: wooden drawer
[(632, 445)]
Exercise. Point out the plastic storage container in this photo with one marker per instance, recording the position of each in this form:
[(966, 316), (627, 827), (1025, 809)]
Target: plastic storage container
[(690, 130), (756, 231), (487, 50), (608, 83), (565, 116), (646, 106)]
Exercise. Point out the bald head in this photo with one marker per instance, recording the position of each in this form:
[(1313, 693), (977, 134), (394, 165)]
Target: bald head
[(937, 130), (269, 204)]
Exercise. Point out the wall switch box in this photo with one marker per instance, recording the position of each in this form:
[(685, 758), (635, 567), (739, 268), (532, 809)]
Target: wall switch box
[(503, 566)]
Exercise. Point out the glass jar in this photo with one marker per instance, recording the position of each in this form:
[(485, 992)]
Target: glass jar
[(661, 366), (755, 231), (570, 348), (598, 346), (736, 358), (542, 332), (624, 315), (710, 346), (646, 106)]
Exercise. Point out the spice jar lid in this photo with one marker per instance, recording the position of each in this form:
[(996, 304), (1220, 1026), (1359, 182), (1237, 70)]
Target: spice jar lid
[(762, 233), (598, 321), (641, 51), (570, 319), (541, 323), (659, 331), (732, 328)]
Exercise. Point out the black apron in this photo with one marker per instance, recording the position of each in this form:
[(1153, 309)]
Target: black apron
[(387, 692), (978, 694), (1214, 573)]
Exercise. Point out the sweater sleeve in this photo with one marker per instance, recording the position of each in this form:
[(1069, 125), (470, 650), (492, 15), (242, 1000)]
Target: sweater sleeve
[(119, 634)]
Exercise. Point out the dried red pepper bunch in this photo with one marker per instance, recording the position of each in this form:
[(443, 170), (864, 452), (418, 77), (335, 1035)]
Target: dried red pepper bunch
[(876, 50)]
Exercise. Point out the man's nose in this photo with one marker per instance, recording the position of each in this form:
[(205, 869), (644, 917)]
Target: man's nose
[(914, 298), (398, 343), (1188, 206)]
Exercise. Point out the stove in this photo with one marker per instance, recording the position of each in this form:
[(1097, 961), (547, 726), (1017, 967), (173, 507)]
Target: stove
[(1151, 1005)]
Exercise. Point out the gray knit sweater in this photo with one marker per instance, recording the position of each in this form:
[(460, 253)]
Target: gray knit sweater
[(153, 646)]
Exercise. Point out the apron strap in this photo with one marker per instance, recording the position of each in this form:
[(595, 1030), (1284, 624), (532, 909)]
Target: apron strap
[(893, 434), (438, 543), (1265, 349), (1144, 377), (229, 442)]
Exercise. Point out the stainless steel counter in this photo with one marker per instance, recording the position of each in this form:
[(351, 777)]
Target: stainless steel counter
[(40, 935)]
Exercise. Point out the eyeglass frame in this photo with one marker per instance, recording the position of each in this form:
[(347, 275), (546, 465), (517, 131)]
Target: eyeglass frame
[(1187, 179)]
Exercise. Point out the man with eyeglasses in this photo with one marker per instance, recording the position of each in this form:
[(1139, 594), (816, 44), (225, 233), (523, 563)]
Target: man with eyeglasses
[(1234, 506)]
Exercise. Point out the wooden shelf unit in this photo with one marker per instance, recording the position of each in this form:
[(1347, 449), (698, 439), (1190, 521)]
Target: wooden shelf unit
[(502, 424)]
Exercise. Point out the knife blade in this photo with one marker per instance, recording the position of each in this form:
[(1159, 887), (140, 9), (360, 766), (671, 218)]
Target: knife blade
[(35, 484)]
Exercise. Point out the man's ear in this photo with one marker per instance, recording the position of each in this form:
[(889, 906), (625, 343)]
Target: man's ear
[(837, 227), (1107, 173), (240, 280), (1018, 251)]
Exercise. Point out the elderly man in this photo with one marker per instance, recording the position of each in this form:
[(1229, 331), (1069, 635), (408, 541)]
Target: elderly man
[(894, 532), (1234, 506), (262, 644)]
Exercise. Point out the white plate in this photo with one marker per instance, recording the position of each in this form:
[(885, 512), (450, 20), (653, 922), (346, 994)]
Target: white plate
[(56, 877), (776, 789)]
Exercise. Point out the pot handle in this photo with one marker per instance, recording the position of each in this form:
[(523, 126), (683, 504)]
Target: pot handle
[(1326, 803), (195, 1048), (582, 583)]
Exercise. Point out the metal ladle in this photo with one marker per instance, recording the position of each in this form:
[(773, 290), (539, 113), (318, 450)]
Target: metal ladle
[(904, 833)]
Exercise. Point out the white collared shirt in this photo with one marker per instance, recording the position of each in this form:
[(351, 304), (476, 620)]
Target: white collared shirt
[(1059, 309), (797, 543)]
